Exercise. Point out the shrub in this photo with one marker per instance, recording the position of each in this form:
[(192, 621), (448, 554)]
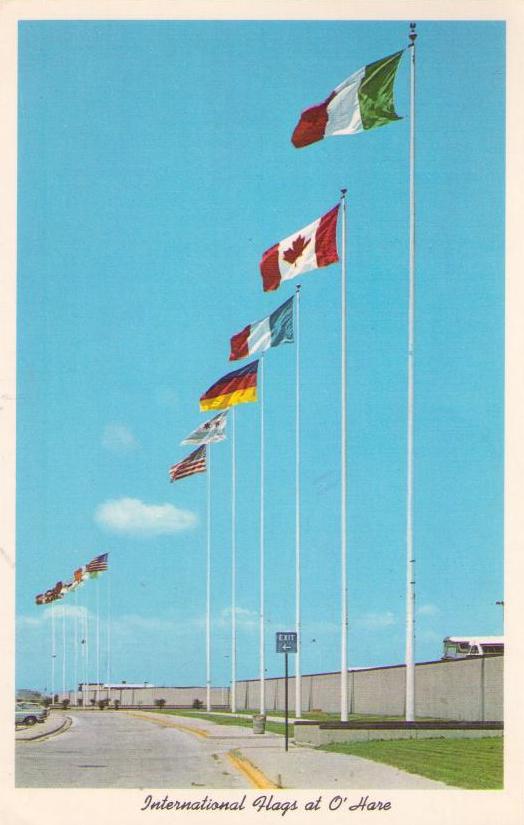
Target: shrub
[(117, 703), (160, 703), (102, 704), (197, 704), (65, 703)]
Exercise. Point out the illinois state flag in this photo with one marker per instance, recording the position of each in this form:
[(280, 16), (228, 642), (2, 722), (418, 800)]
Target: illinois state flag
[(236, 387), (276, 329), (361, 102), (209, 432), (309, 248)]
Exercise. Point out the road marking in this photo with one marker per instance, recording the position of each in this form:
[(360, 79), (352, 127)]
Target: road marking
[(168, 724), (255, 776)]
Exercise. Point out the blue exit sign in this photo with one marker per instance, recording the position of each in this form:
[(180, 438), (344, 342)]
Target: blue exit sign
[(286, 642)]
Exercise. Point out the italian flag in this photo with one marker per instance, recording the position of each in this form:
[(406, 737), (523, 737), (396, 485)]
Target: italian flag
[(312, 247), (363, 101)]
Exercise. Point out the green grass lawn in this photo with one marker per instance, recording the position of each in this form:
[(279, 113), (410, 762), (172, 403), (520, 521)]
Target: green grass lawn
[(239, 721), (463, 763)]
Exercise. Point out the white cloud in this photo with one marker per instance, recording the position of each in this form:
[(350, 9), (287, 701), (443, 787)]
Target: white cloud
[(246, 619), (67, 610), (118, 438), (375, 621), (427, 610), (46, 613), (132, 517), (29, 621), (132, 624)]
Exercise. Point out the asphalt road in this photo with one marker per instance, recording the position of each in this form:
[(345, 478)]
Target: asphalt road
[(111, 749)]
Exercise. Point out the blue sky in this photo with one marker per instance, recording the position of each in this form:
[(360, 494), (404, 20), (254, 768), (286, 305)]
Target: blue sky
[(155, 167)]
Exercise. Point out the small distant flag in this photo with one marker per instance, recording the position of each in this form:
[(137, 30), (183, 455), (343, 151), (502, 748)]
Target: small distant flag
[(51, 595), (236, 387), (80, 575), (209, 432), (361, 102), (57, 590), (195, 462), (276, 329), (309, 248), (98, 564)]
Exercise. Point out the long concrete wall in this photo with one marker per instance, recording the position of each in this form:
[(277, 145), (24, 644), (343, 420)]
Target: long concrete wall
[(462, 690), (146, 696)]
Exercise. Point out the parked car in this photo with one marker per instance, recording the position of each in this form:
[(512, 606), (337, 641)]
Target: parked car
[(27, 713), (32, 706)]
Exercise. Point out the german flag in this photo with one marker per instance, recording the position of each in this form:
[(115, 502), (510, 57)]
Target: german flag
[(236, 387)]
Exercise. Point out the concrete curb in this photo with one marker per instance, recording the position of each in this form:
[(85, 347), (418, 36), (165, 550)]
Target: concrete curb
[(254, 774), (64, 725)]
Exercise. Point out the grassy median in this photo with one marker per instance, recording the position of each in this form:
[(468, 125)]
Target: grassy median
[(464, 763), (238, 721)]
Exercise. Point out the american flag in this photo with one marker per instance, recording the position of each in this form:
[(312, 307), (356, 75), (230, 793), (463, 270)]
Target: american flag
[(194, 463), (98, 564)]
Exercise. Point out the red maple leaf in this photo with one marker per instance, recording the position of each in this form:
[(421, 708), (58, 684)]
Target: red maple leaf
[(296, 249)]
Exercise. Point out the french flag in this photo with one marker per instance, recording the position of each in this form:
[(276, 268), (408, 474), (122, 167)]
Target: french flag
[(276, 329)]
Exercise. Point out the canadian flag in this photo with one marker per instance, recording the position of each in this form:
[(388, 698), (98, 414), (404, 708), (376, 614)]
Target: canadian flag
[(309, 248)]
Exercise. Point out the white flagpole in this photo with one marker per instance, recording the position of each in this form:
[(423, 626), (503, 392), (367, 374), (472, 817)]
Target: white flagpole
[(75, 664), (97, 639), (262, 641), (233, 565), (86, 646), (343, 486), (208, 584), (410, 571), (53, 651), (63, 652), (298, 688), (108, 629)]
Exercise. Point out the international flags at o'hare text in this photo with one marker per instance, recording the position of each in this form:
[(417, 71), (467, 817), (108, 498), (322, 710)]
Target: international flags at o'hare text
[(236, 387), (310, 248), (209, 432), (276, 329), (194, 463), (361, 102)]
